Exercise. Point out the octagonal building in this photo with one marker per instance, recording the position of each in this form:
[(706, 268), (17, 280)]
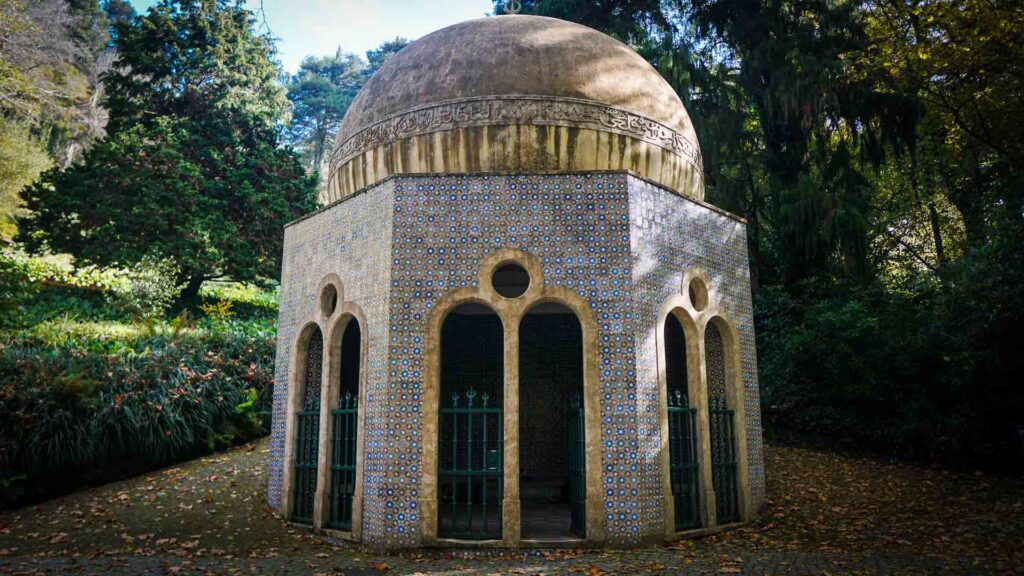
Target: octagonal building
[(514, 320)]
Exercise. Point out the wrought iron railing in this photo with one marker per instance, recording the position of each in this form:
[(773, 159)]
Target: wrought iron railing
[(683, 446), (723, 459), (307, 441), (577, 467), (342, 486), (470, 469)]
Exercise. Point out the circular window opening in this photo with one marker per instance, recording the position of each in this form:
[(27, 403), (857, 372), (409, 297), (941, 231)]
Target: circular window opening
[(698, 294), (329, 300), (510, 280)]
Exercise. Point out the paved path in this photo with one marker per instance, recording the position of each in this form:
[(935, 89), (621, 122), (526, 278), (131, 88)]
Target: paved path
[(828, 515)]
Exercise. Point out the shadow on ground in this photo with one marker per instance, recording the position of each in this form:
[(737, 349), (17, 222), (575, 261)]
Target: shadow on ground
[(827, 515)]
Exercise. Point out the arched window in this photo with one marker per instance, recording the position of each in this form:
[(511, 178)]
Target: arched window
[(470, 427), (721, 417), (552, 440), (307, 428), (683, 441), (345, 430)]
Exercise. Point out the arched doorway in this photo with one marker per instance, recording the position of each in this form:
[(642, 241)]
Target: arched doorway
[(307, 428), (470, 466), (552, 438), (722, 424), (344, 428), (683, 440)]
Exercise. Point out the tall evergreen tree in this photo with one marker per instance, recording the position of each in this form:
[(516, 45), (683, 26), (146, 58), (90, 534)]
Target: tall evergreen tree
[(320, 94), (190, 168), (378, 56)]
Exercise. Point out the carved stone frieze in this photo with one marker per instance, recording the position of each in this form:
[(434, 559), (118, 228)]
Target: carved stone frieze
[(505, 110)]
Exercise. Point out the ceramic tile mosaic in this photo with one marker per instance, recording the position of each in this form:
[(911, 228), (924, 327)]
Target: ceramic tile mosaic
[(670, 235), (618, 241), (352, 241)]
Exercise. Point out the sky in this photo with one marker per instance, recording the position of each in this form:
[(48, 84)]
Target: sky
[(319, 27)]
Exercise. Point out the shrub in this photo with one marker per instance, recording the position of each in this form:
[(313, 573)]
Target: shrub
[(929, 370), (246, 300), (16, 289), (78, 409), (150, 290)]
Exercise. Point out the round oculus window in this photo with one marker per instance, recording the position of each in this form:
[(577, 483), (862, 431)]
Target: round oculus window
[(510, 280)]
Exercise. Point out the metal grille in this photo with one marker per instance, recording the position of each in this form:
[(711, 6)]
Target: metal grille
[(342, 489), (307, 437), (577, 468), (470, 470), (307, 441), (723, 459), (683, 470)]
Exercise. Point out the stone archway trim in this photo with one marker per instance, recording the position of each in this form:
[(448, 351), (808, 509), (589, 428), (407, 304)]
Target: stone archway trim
[(511, 312), (332, 328), (694, 324)]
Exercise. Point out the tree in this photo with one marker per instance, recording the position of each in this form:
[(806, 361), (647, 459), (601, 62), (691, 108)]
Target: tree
[(380, 55), (964, 60), (320, 93), (190, 168), (40, 88), (22, 159)]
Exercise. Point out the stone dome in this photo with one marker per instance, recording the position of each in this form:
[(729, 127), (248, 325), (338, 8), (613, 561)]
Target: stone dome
[(515, 94)]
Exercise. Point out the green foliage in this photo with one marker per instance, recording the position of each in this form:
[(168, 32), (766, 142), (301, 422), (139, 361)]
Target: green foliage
[(377, 57), (930, 371), (22, 158), (152, 288), (16, 289), (320, 93), (81, 409), (248, 302), (191, 166)]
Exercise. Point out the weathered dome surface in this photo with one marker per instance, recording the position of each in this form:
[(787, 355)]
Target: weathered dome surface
[(515, 94)]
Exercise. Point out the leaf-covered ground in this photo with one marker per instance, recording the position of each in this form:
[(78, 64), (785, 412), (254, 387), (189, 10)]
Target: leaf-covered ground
[(828, 515)]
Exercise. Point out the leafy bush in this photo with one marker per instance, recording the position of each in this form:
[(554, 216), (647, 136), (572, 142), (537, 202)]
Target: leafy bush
[(16, 289), (150, 290), (81, 407), (246, 300), (927, 371), (41, 289)]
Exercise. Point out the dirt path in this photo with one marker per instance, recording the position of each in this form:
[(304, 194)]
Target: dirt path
[(827, 515)]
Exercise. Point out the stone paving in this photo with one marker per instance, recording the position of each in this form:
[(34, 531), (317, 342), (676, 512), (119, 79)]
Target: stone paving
[(828, 515)]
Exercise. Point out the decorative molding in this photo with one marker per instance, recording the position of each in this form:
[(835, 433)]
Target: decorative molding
[(507, 110)]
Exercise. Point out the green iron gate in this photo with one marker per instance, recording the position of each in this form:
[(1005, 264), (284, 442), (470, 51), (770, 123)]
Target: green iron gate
[(723, 459), (307, 434), (342, 488), (577, 468), (683, 470), (307, 424), (470, 468)]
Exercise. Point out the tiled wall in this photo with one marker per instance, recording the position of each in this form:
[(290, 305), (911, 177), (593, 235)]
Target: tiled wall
[(353, 242), (671, 234), (433, 231)]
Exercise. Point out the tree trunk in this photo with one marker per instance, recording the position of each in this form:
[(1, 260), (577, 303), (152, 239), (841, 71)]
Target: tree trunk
[(969, 204), (754, 231), (933, 215), (189, 297)]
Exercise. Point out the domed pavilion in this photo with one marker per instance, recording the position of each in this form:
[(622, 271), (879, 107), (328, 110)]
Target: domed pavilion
[(514, 320)]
